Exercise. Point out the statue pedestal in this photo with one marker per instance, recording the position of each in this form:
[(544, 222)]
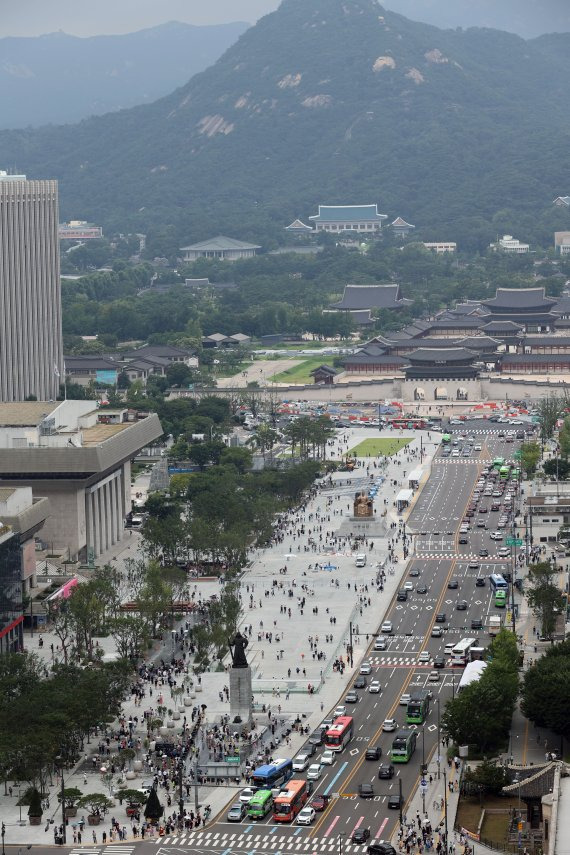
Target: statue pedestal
[(240, 696)]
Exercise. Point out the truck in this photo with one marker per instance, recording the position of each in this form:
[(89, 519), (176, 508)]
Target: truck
[(493, 624)]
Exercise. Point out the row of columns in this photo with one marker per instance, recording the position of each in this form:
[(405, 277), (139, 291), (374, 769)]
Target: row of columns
[(104, 513)]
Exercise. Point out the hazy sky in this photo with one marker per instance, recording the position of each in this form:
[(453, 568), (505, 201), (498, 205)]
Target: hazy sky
[(91, 17)]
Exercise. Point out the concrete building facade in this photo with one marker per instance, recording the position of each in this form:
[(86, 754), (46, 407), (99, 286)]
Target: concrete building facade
[(31, 347), (69, 453)]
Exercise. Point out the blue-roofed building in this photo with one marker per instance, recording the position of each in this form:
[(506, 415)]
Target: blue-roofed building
[(364, 219)]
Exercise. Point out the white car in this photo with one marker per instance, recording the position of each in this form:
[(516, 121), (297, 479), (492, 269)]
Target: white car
[(477, 447), (496, 535), (408, 586), (328, 757), (366, 668), (340, 710), (424, 656), (404, 699), (306, 816), (300, 762), (389, 724), (246, 795), (374, 687), (386, 626), (314, 772)]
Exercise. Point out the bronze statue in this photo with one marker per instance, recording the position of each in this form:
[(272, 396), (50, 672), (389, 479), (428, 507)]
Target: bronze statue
[(237, 650), (363, 505)]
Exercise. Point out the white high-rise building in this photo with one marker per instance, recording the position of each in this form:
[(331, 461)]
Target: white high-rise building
[(31, 347)]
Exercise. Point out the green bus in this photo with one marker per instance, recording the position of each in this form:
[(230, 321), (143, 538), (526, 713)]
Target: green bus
[(500, 598), (446, 439), (515, 474), (418, 707), (260, 804), (498, 462), (504, 472), (403, 746)]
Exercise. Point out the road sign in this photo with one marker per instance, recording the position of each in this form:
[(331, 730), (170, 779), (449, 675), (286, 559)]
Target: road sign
[(233, 760), (513, 541)]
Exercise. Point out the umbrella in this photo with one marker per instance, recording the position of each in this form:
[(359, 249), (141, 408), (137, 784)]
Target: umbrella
[(290, 555), (329, 567)]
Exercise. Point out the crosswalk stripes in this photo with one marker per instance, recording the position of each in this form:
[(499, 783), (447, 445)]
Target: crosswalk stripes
[(289, 843), (84, 850)]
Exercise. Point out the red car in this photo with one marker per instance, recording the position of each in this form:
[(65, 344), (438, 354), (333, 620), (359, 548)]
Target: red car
[(319, 803)]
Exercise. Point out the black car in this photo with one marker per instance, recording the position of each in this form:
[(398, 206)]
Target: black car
[(402, 595), (453, 583), (309, 748), (483, 553), (317, 737), (395, 801), (440, 617), (461, 605), (380, 847), (366, 791), (463, 540), (360, 835), (421, 589), (386, 770), (414, 572), (439, 661), (373, 753), (477, 623), (480, 582), (360, 682)]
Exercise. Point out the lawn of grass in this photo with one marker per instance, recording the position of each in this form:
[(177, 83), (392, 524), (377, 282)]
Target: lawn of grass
[(381, 445), (495, 825), (300, 373)]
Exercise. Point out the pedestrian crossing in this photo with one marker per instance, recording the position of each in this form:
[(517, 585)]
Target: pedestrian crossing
[(111, 849), (266, 837), (461, 556)]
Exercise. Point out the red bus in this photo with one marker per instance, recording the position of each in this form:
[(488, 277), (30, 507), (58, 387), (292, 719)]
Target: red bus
[(290, 801), (339, 733), (409, 424)]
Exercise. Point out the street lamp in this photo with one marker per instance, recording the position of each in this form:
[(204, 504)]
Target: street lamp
[(341, 835), (60, 760), (3, 833), (438, 742)]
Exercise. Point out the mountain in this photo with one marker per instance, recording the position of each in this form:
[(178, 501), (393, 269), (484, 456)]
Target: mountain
[(325, 101), (58, 78), (526, 18)]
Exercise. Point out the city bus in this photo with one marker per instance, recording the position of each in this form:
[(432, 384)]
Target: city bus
[(498, 462), (460, 655), (418, 707), (403, 746), (339, 733), (260, 804), (273, 774), (290, 801), (498, 582), (500, 598), (504, 472)]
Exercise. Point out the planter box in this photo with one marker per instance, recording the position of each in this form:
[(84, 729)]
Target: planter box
[(93, 820), (71, 811), (188, 701), (35, 820), (176, 715)]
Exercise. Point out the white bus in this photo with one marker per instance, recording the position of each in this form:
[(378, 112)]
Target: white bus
[(498, 582), (460, 655), (472, 673)]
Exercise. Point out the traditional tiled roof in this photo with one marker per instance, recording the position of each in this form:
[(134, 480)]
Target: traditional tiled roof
[(352, 213), (324, 369), (479, 342), (298, 226), (89, 363), (520, 298), (464, 322), (219, 244), (400, 223), (370, 297), (565, 200), (546, 341), (361, 317), (531, 782), (453, 354), (536, 358), (469, 307), (562, 305), (366, 359), (509, 327), (165, 351)]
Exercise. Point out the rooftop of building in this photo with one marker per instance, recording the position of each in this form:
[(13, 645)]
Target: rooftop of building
[(452, 354), (520, 298), (25, 413), (221, 243), (370, 297), (339, 213)]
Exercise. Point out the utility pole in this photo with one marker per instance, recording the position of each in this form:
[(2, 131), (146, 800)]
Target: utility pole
[(401, 801), (180, 792), (438, 742), (350, 647), (423, 789), (446, 848)]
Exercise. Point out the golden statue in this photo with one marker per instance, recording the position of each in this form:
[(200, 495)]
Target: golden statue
[(363, 505)]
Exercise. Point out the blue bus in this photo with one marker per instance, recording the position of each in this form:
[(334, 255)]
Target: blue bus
[(272, 775), (497, 582)]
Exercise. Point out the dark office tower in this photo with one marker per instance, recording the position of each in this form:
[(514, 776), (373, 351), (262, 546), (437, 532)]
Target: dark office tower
[(31, 348)]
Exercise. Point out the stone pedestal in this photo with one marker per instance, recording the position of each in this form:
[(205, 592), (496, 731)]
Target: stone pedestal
[(240, 695)]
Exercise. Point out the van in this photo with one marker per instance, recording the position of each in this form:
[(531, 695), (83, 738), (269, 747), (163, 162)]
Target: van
[(360, 559), (137, 521)]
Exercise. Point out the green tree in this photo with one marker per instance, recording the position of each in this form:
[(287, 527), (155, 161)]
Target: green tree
[(97, 803), (544, 597), (557, 468), (549, 411), (545, 695), (153, 809), (530, 457)]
